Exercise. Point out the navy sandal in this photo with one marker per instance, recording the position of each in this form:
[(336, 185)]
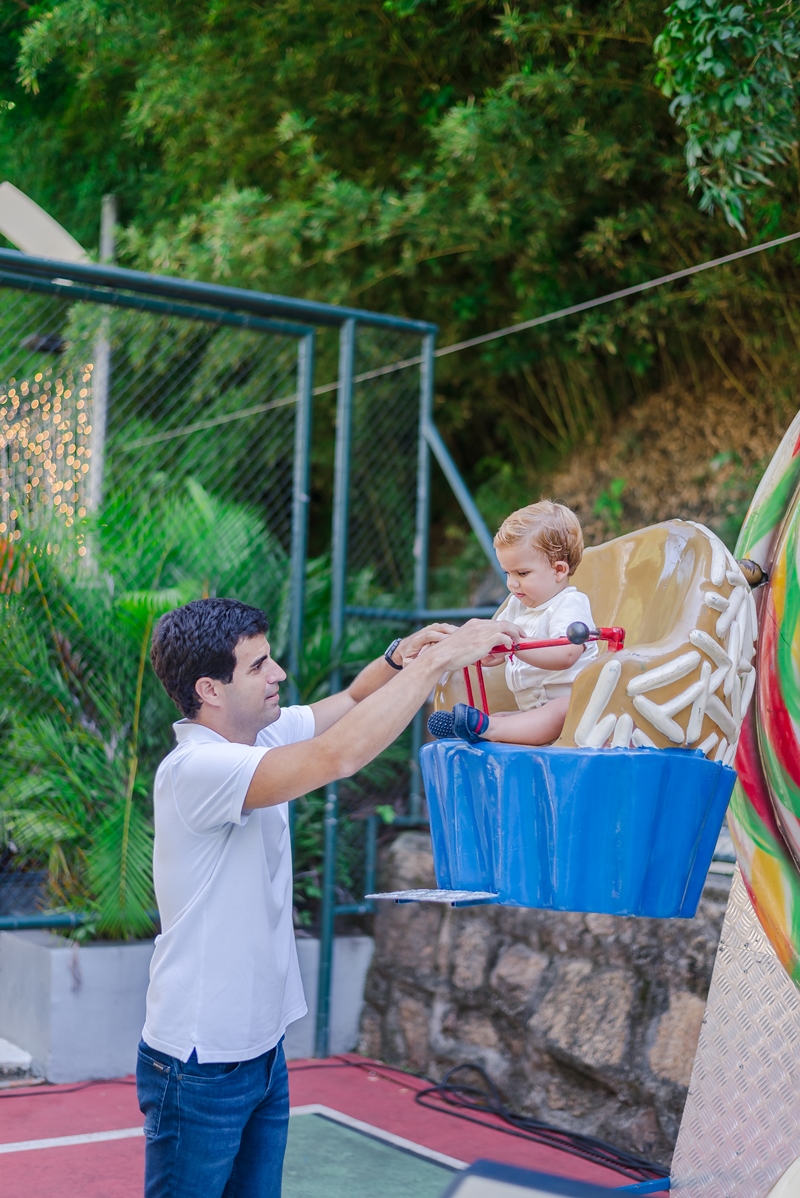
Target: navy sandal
[(463, 722)]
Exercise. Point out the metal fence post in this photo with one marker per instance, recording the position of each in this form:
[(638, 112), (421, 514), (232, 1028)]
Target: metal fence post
[(421, 541), (300, 500), (465, 500), (341, 489), (101, 376)]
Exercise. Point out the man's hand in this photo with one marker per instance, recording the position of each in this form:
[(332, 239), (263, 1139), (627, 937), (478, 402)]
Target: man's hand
[(367, 726), (377, 674), (472, 643), (411, 646), (514, 630), (421, 647)]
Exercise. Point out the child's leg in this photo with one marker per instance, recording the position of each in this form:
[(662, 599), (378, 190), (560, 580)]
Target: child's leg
[(538, 727)]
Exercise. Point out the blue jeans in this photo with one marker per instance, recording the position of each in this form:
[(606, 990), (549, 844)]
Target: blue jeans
[(216, 1130)]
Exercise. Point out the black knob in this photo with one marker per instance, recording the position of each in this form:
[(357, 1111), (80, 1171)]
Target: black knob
[(578, 633)]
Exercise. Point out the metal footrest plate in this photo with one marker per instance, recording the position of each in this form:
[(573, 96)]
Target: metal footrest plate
[(454, 898)]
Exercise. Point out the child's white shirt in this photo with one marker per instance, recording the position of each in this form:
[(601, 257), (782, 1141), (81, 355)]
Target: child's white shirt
[(530, 685)]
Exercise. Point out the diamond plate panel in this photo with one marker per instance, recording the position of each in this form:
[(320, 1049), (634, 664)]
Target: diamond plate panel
[(741, 1124), (455, 898)]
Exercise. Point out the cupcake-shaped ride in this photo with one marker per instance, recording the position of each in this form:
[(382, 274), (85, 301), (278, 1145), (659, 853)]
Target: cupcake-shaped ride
[(622, 813)]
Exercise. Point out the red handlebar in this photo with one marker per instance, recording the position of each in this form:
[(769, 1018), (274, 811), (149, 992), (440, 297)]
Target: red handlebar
[(614, 636)]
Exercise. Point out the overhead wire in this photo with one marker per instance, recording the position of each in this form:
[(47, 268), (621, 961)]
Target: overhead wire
[(573, 310), (470, 342)]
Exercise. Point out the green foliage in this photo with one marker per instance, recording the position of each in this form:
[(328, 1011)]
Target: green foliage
[(84, 719), (609, 505), (732, 72), (468, 161), (473, 162)]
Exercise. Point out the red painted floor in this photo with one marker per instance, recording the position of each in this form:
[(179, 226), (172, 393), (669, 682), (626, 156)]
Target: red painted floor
[(114, 1169)]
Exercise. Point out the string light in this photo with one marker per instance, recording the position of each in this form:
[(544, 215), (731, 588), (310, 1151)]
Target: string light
[(45, 447)]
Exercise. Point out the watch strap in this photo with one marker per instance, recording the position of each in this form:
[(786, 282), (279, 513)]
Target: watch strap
[(388, 654)]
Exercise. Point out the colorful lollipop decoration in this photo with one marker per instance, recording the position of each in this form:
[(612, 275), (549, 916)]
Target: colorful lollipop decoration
[(764, 815)]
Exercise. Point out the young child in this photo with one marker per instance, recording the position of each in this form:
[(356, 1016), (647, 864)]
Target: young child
[(540, 548)]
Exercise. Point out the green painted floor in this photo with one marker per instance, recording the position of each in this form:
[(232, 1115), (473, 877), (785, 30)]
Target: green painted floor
[(325, 1159)]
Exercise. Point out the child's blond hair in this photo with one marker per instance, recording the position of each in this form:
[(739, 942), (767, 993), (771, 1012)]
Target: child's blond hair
[(549, 527)]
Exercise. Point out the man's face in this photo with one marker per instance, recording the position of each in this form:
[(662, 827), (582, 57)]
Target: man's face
[(251, 701)]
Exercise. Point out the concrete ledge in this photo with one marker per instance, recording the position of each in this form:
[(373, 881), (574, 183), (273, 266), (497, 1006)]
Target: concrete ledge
[(78, 1011), (352, 956), (15, 1062)]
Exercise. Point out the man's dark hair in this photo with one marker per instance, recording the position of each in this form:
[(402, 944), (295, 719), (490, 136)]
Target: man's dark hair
[(198, 641)]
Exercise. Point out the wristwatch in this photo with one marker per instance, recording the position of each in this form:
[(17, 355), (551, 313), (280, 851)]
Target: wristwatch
[(388, 654)]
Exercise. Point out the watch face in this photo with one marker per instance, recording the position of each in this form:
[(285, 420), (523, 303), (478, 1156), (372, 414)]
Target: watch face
[(389, 652)]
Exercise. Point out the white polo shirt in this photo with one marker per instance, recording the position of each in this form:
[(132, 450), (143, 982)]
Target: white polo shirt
[(224, 977)]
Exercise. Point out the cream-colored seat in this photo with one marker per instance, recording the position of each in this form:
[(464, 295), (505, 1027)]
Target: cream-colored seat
[(685, 676)]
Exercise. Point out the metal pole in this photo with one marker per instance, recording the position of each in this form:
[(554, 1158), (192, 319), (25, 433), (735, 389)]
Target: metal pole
[(300, 499), (341, 489), (101, 372), (459, 489), (370, 853), (421, 542)]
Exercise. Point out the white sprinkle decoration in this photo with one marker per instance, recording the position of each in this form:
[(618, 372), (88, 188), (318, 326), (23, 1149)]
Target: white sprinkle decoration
[(708, 744), (717, 679), (671, 671), (641, 740), (685, 698), (603, 690), (697, 714), (701, 640), (747, 694), (734, 644), (718, 562), (718, 712), (736, 578), (743, 624), (727, 617), (748, 623), (722, 749), (655, 716), (715, 601), (745, 666), (623, 732), (729, 756), (752, 613), (601, 732)]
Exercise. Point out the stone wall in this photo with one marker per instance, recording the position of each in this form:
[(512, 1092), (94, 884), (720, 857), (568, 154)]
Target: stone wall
[(587, 1021)]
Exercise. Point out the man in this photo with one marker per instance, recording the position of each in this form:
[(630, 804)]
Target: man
[(224, 980)]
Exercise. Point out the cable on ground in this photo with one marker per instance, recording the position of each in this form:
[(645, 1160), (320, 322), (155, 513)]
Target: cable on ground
[(486, 1100)]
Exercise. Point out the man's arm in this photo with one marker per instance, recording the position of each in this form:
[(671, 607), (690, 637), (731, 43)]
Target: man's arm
[(328, 711), (371, 725)]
